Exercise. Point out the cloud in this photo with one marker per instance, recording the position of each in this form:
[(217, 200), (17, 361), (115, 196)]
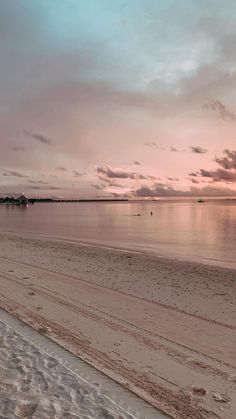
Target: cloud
[(41, 182), (20, 148), (228, 162), (50, 188), (194, 180), (78, 174), (13, 173), (173, 179), (55, 188), (62, 169), (118, 173), (133, 162), (173, 149), (37, 188), (225, 173), (153, 144), (219, 175), (98, 187), (161, 190), (94, 83), (222, 111), (198, 150), (39, 137)]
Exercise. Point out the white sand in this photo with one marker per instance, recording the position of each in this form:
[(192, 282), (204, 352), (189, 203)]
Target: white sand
[(35, 383), (165, 329)]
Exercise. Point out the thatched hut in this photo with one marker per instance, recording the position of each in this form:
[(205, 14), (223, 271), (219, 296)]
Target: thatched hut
[(22, 200)]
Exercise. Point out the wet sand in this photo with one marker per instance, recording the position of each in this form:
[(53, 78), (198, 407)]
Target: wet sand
[(163, 328)]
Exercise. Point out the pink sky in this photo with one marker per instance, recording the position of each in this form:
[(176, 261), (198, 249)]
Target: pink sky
[(113, 99)]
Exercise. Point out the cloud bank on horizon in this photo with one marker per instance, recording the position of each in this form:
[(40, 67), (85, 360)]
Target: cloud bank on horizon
[(107, 98)]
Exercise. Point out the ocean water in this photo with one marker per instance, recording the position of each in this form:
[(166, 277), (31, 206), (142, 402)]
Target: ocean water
[(184, 229)]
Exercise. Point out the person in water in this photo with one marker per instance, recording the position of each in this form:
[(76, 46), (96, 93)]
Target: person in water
[(151, 212)]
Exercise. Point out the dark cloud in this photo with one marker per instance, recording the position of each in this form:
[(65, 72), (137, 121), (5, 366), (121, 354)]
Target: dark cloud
[(39, 137), (45, 188), (194, 180), (219, 175), (41, 182), (78, 174), (114, 184), (62, 169), (153, 144), (222, 111), (109, 182), (54, 188), (13, 173), (225, 173), (173, 179), (174, 149), (37, 188), (133, 163), (198, 150), (118, 173), (229, 161), (156, 190), (98, 187), (105, 186), (20, 148), (160, 190)]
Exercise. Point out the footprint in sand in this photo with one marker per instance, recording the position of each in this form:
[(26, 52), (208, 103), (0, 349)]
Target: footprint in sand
[(7, 406), (198, 391), (26, 409), (38, 382), (50, 363)]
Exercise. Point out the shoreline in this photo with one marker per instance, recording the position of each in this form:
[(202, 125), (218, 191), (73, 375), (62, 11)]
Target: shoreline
[(208, 262), (161, 327), (170, 278)]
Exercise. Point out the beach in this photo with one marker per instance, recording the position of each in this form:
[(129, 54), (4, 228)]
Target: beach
[(165, 329), (39, 379)]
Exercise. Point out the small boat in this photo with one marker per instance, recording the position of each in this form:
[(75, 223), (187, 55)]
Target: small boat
[(201, 201)]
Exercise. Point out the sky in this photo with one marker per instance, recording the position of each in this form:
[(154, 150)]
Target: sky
[(117, 98)]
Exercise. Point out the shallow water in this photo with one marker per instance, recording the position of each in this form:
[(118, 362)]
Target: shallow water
[(182, 229)]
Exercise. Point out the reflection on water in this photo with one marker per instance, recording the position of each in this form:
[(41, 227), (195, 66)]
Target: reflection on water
[(180, 229)]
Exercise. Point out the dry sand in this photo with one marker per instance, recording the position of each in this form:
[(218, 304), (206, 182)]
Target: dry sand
[(41, 380), (35, 385), (163, 328)]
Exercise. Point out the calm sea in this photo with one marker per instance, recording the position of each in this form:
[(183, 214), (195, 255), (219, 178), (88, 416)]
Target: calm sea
[(181, 229)]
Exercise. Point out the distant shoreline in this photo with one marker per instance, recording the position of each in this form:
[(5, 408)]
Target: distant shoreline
[(13, 201), (50, 200)]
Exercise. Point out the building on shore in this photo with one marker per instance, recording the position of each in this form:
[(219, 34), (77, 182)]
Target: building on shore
[(10, 200), (22, 200)]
